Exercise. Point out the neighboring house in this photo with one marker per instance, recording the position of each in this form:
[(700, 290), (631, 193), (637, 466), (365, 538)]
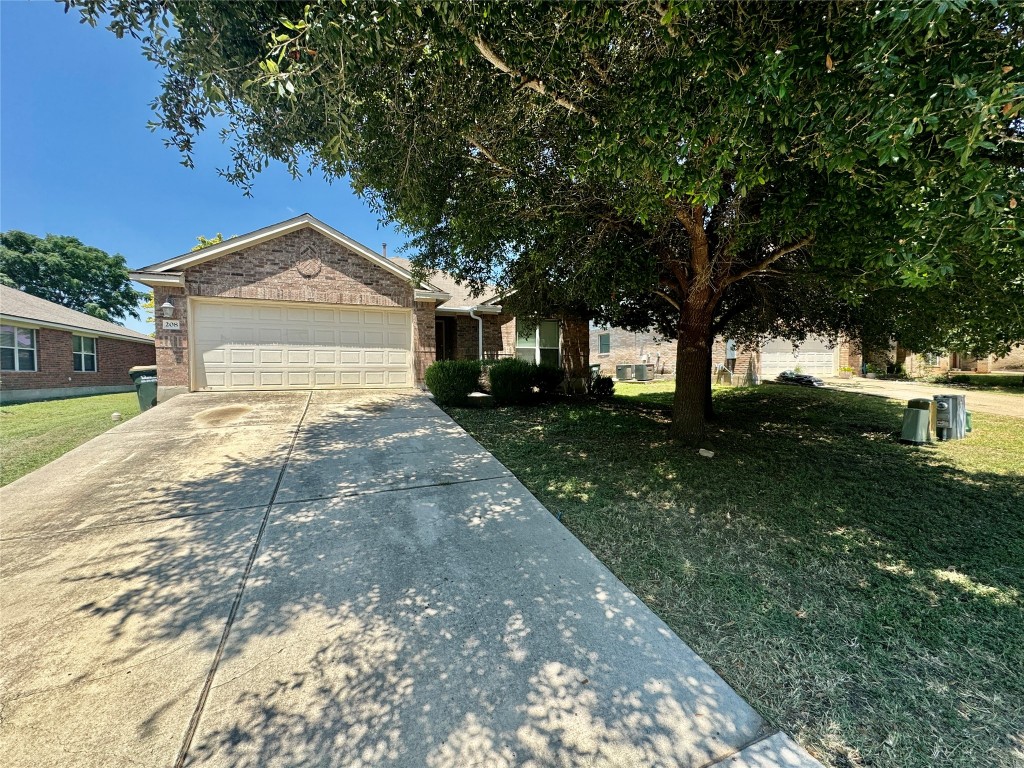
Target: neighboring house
[(610, 347), (50, 351), (298, 305)]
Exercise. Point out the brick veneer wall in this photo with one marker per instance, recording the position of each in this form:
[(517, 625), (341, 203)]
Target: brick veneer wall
[(300, 266), (54, 363), (627, 347), (499, 337)]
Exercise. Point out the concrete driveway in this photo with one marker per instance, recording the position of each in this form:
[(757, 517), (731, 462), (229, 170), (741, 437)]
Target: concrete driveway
[(997, 403), (329, 580)]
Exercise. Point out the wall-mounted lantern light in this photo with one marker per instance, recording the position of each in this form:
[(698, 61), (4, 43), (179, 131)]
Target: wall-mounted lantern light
[(167, 309)]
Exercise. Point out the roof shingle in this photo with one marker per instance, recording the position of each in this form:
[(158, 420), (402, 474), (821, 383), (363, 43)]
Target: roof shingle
[(18, 305)]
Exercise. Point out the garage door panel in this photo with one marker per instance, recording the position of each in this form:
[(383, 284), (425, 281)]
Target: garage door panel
[(266, 346), (813, 356)]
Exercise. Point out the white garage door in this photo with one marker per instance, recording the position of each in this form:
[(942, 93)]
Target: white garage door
[(255, 345), (813, 357)]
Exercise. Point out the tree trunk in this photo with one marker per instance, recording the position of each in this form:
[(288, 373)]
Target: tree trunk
[(576, 353), (693, 381), (709, 406)]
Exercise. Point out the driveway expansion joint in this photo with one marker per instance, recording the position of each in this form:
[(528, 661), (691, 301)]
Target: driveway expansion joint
[(375, 491), (204, 694)]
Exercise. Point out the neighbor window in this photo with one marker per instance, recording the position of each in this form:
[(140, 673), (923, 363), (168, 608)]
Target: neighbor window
[(17, 348), (539, 344), (84, 348), (604, 343)]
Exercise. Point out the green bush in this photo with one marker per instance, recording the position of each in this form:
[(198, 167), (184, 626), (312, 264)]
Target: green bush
[(549, 379), (451, 381), (512, 381), (603, 386)]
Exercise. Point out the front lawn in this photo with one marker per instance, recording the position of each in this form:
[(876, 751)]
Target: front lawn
[(865, 596), (1007, 383), (34, 434)]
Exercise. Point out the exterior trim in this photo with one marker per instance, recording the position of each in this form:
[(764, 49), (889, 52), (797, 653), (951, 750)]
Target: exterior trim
[(422, 295), (483, 309), (158, 278), (273, 231), (27, 323)]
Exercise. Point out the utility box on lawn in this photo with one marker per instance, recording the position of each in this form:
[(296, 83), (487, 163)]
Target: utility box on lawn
[(950, 417), (624, 372)]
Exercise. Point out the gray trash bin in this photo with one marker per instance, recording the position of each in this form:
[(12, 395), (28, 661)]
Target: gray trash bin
[(950, 417)]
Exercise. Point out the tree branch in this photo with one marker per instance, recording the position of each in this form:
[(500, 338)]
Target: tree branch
[(533, 84), (667, 298), (769, 260)]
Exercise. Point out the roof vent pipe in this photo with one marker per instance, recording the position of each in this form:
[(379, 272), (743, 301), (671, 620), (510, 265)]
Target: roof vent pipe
[(384, 250)]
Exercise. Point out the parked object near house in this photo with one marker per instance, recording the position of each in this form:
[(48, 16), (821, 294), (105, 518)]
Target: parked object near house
[(48, 351), (800, 379)]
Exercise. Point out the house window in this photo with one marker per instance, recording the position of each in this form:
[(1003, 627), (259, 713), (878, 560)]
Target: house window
[(17, 348), (539, 345), (604, 343), (84, 353)]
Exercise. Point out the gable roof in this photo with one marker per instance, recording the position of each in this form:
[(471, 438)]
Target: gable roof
[(18, 306), (461, 295), (171, 268)]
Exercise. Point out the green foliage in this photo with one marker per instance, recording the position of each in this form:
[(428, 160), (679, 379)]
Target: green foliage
[(548, 379), (206, 242), (658, 166), (512, 381), (63, 270), (451, 381), (603, 386)]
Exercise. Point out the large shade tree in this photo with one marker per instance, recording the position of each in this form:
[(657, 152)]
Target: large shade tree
[(668, 149), (64, 270)]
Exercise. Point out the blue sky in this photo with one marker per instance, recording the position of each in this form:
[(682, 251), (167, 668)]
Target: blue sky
[(76, 157)]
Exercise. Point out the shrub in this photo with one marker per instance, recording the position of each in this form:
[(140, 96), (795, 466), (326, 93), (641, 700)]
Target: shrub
[(512, 381), (451, 381), (549, 379), (603, 386)]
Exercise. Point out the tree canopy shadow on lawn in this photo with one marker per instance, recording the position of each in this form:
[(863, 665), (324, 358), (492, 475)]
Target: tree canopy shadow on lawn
[(383, 665), (865, 595)]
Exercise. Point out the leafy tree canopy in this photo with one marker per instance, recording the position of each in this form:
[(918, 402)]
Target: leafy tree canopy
[(65, 271), (624, 151), (206, 242)]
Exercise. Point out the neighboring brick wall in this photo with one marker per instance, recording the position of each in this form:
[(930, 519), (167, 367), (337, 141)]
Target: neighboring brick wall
[(300, 266), (54, 363), (747, 365), (627, 348)]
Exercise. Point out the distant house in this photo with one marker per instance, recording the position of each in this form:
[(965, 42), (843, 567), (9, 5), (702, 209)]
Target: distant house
[(611, 346), (50, 351)]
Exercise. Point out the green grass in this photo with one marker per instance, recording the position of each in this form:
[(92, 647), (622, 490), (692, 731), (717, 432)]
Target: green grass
[(1008, 383), (34, 434), (865, 596)]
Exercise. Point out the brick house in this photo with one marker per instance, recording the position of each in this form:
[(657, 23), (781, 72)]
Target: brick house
[(611, 346), (298, 305), (49, 351)]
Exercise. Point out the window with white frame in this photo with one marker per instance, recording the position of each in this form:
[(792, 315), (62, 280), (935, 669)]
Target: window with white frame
[(84, 354), (17, 348), (539, 344)]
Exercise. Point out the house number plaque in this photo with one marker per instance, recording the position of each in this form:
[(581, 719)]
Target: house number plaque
[(172, 325)]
